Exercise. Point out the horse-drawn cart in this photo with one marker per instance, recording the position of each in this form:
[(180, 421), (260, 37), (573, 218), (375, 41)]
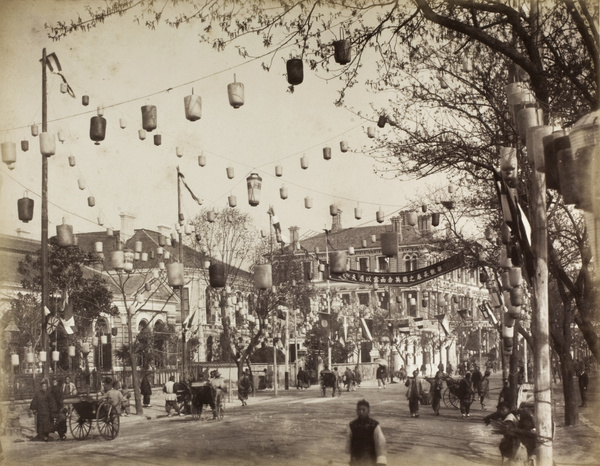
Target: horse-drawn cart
[(87, 409)]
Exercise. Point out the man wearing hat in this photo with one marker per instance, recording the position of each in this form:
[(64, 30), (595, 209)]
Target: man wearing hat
[(171, 397), (484, 389), (43, 406), (218, 385)]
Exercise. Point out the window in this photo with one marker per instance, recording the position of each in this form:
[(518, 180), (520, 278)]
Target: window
[(411, 262), (363, 298), (307, 271), (383, 264), (363, 264), (345, 297)]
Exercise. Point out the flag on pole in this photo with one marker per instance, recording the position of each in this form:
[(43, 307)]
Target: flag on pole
[(194, 197), (187, 323), (46, 311), (279, 236), (68, 321), (366, 325), (443, 320)]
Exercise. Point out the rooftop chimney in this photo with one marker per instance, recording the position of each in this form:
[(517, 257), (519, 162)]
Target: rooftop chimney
[(127, 226), (294, 234), (336, 222)]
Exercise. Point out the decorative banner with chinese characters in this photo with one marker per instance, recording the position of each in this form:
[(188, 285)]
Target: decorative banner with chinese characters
[(402, 279)]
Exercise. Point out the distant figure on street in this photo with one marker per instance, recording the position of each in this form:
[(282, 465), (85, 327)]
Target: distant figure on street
[(338, 380), (414, 394), (327, 379), (402, 374), (521, 376), (583, 384), (365, 442), (505, 396), (476, 378), (465, 395), (126, 405), (349, 379), (436, 388), (115, 396), (146, 390), (441, 367), (69, 387), (357, 376), (244, 387), (219, 388), (450, 370), (44, 407), (57, 393), (171, 397), (381, 375), (300, 379), (423, 369), (484, 389), (107, 385)]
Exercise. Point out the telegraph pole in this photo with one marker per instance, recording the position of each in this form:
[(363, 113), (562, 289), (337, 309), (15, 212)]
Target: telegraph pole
[(180, 246), (44, 240)]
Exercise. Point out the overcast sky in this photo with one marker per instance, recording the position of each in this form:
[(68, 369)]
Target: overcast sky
[(117, 65)]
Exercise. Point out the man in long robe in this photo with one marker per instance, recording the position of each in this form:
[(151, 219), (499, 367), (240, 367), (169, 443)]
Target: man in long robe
[(44, 407)]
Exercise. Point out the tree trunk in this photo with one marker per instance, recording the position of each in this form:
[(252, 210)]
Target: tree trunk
[(568, 372), (590, 335), (139, 409)]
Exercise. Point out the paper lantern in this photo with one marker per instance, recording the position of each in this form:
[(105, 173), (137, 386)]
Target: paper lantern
[(467, 65), (295, 71), (514, 311), (516, 296), (508, 332), (424, 208), (14, 359), (263, 277), (142, 134), (103, 339), (25, 208), (535, 145), (100, 111), (29, 358), (64, 234), (304, 162), (232, 201), (283, 192), (528, 117), (47, 144), (210, 216), (435, 219), (351, 250), (411, 218), (451, 189), (380, 215), (55, 356), (508, 321), (179, 151), (61, 136), (381, 121), (175, 274), (371, 131), (202, 160), (216, 274), (357, 213), (327, 153), (98, 246), (230, 172), (117, 260), (308, 202), (72, 161), (71, 351), (85, 100), (364, 243), (97, 129), (342, 51), (585, 133), (35, 130), (162, 241), (187, 229), (504, 279), (42, 356), (344, 146), (390, 242), (144, 256), (109, 232), (235, 92), (514, 276), (85, 348), (25, 145), (254, 184), (91, 201), (149, 117), (373, 238), (333, 210), (138, 246), (157, 139), (193, 107), (338, 261), (81, 183)]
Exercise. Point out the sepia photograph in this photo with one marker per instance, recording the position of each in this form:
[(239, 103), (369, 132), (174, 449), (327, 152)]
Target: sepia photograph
[(299, 232)]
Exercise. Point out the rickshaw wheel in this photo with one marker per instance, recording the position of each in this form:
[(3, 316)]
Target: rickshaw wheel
[(80, 428), (108, 420), (454, 400)]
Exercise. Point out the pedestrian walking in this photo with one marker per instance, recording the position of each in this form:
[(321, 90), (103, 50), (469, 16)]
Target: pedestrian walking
[(43, 406), (583, 384), (436, 389), (349, 379), (381, 374), (414, 394), (465, 394), (484, 389), (338, 381), (244, 387), (402, 374), (476, 377), (171, 396), (300, 379), (219, 389), (365, 441), (146, 390)]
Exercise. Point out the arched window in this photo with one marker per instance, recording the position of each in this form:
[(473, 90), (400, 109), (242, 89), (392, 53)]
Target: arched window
[(411, 262)]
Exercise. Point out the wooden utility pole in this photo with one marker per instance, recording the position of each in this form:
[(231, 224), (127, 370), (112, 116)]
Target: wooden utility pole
[(44, 239), (180, 259)]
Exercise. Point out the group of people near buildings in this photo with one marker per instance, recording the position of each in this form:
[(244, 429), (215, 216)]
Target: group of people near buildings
[(49, 408)]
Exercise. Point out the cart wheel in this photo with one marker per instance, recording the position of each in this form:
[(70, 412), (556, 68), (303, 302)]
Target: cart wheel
[(221, 412), (454, 401), (80, 428), (108, 420)]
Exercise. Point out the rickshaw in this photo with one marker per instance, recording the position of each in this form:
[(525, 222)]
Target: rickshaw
[(450, 395), (87, 409)]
